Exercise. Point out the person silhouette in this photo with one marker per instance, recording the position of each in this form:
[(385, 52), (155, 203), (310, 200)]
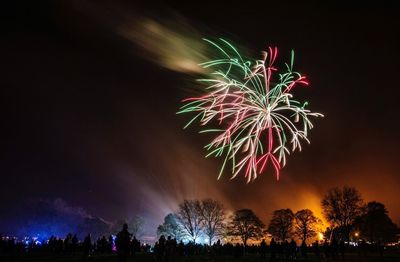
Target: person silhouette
[(303, 249), (326, 249), (181, 249), (110, 244), (316, 249), (170, 249), (364, 247), (292, 250), (135, 246), (238, 250), (122, 243), (74, 243), (342, 248), (334, 248), (286, 249), (273, 248), (263, 248), (161, 248), (87, 246)]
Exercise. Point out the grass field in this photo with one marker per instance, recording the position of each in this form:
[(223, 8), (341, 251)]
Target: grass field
[(388, 257)]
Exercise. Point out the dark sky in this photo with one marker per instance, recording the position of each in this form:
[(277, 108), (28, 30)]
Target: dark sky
[(86, 118)]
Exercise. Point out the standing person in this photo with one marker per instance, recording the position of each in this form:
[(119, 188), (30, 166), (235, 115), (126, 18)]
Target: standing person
[(342, 248), (326, 249), (381, 248), (86, 246), (316, 249), (161, 248), (238, 250), (74, 243), (281, 251), (303, 249), (170, 249), (122, 243), (263, 248), (181, 249), (286, 249), (110, 244), (135, 246), (364, 247), (293, 249), (273, 247), (334, 248)]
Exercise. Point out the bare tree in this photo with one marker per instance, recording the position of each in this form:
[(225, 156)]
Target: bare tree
[(213, 216), (189, 216), (117, 226), (281, 224), (171, 227), (135, 225), (306, 224), (341, 207), (246, 225)]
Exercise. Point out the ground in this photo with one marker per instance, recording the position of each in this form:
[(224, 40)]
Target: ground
[(389, 257)]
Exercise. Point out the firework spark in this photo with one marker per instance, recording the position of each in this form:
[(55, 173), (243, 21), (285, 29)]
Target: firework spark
[(259, 120)]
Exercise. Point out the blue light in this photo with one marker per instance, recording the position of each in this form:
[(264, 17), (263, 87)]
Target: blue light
[(113, 246)]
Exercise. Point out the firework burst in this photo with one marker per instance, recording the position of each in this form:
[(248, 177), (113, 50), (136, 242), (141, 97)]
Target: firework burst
[(259, 121)]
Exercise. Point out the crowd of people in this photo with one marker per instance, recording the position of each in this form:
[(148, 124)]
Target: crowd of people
[(123, 244), (168, 249)]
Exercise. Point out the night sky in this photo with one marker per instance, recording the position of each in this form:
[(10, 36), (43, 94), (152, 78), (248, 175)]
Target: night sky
[(89, 117)]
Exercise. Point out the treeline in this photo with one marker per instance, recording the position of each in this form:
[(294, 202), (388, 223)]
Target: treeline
[(349, 218)]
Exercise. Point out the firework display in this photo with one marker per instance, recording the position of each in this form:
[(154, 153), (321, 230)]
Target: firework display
[(251, 104)]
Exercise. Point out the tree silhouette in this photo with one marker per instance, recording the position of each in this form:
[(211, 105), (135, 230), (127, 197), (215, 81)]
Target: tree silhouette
[(171, 227), (281, 224), (306, 224), (117, 226), (189, 216), (135, 225), (375, 225), (341, 207), (246, 225), (213, 216)]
